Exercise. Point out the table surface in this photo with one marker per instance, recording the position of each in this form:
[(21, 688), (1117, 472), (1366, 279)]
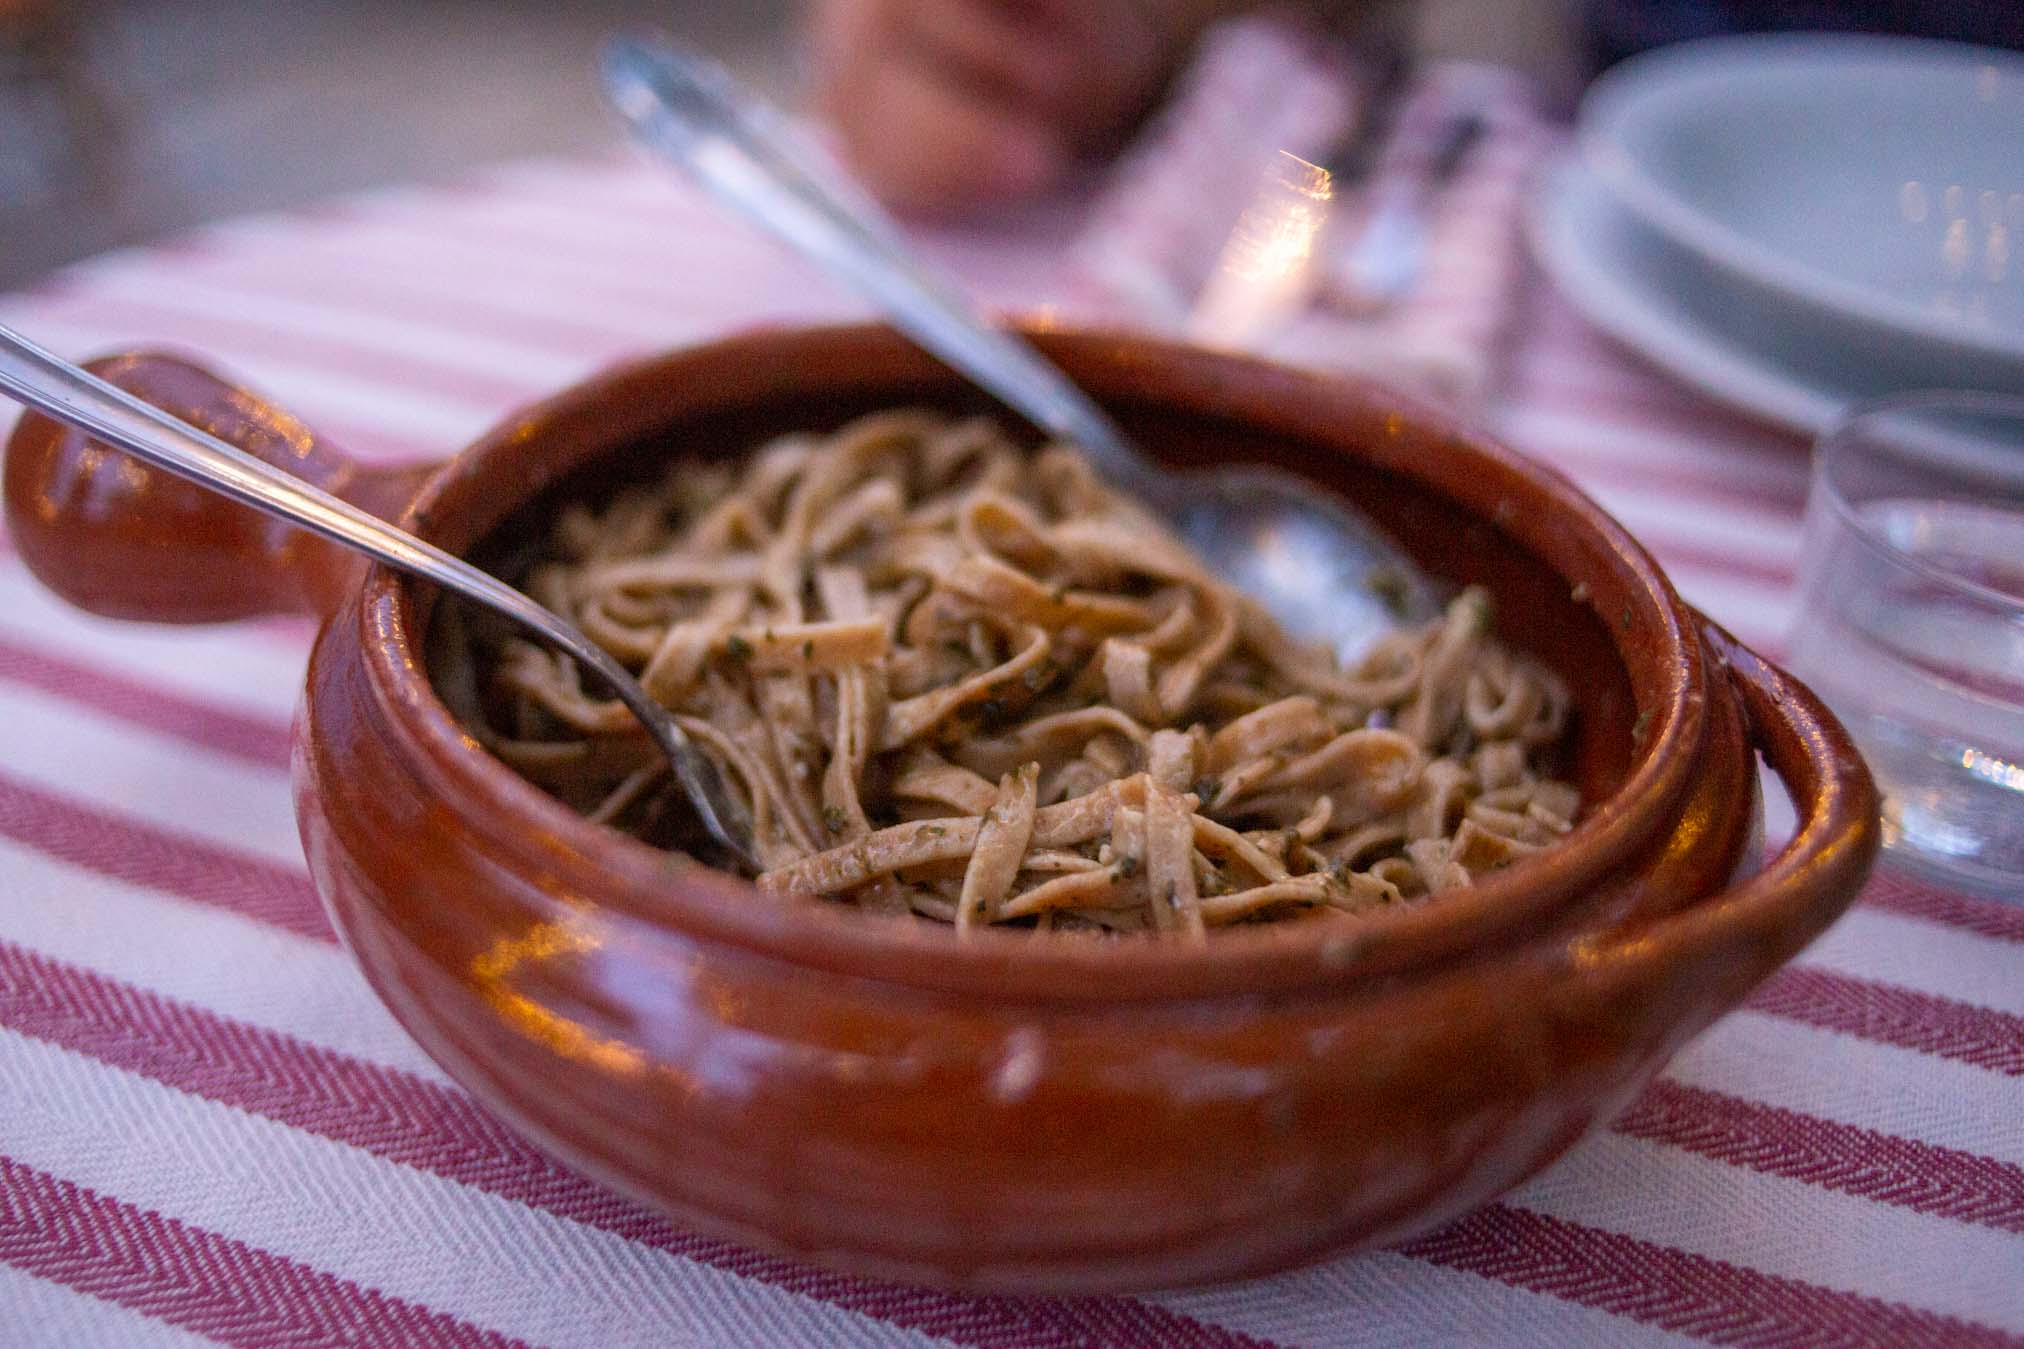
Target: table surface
[(210, 1129)]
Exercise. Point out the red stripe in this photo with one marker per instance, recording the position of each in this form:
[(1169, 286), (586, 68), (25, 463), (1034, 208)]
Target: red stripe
[(1555, 361), (197, 1279), (406, 1119), (1866, 1163), (1812, 996), (1672, 554), (418, 1123), (1678, 1290), (199, 723), (460, 1149), (124, 849), (1638, 404), (1563, 354), (1887, 1014), (1984, 917)]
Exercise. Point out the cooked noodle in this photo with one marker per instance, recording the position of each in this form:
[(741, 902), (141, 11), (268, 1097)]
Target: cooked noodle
[(963, 680)]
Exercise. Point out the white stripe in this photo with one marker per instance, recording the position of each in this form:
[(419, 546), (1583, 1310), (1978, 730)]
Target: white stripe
[(1722, 528), (1379, 1299), (262, 986), (1714, 487), (302, 988), (311, 392), (154, 778), (645, 234), (255, 672), (1849, 1080), (383, 1225), (1756, 612), (623, 180), (201, 296), (1629, 436), (713, 280), (277, 981), (431, 264), (234, 966), (1944, 961), (1783, 1227), (35, 1313), (1565, 352), (662, 230), (1781, 815), (711, 289)]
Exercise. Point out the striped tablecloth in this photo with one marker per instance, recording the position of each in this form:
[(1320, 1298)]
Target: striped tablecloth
[(210, 1129)]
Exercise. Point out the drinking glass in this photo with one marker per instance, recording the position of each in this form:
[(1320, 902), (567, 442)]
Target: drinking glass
[(1911, 623)]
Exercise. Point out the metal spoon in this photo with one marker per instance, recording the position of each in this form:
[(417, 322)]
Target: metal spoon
[(1323, 571), (41, 380)]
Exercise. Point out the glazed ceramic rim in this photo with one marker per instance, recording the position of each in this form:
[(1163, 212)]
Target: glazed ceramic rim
[(649, 890)]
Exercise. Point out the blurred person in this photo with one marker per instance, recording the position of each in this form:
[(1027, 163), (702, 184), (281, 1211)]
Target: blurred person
[(947, 105)]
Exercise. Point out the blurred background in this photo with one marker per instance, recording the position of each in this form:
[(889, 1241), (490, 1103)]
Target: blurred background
[(123, 120)]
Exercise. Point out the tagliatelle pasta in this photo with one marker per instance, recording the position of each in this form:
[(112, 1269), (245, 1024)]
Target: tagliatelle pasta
[(963, 680)]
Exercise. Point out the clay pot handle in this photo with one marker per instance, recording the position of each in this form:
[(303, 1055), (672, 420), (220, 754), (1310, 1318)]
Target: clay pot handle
[(116, 537), (1821, 868)]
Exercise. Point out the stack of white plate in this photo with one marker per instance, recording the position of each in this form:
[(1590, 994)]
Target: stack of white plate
[(1796, 223)]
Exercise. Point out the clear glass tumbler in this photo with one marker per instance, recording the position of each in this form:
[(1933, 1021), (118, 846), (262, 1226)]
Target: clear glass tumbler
[(1911, 623)]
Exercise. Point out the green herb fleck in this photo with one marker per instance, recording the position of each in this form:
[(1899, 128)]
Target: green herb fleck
[(1641, 725), (932, 831), (1625, 618), (738, 647), (1206, 790), (833, 819), (1479, 606), (1128, 865), (808, 650), (1390, 588)]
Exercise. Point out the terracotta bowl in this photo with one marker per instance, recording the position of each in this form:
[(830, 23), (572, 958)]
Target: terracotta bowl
[(1008, 1114)]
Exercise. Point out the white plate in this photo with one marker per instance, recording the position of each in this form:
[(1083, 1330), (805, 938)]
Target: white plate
[(1630, 284), (1876, 184)]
